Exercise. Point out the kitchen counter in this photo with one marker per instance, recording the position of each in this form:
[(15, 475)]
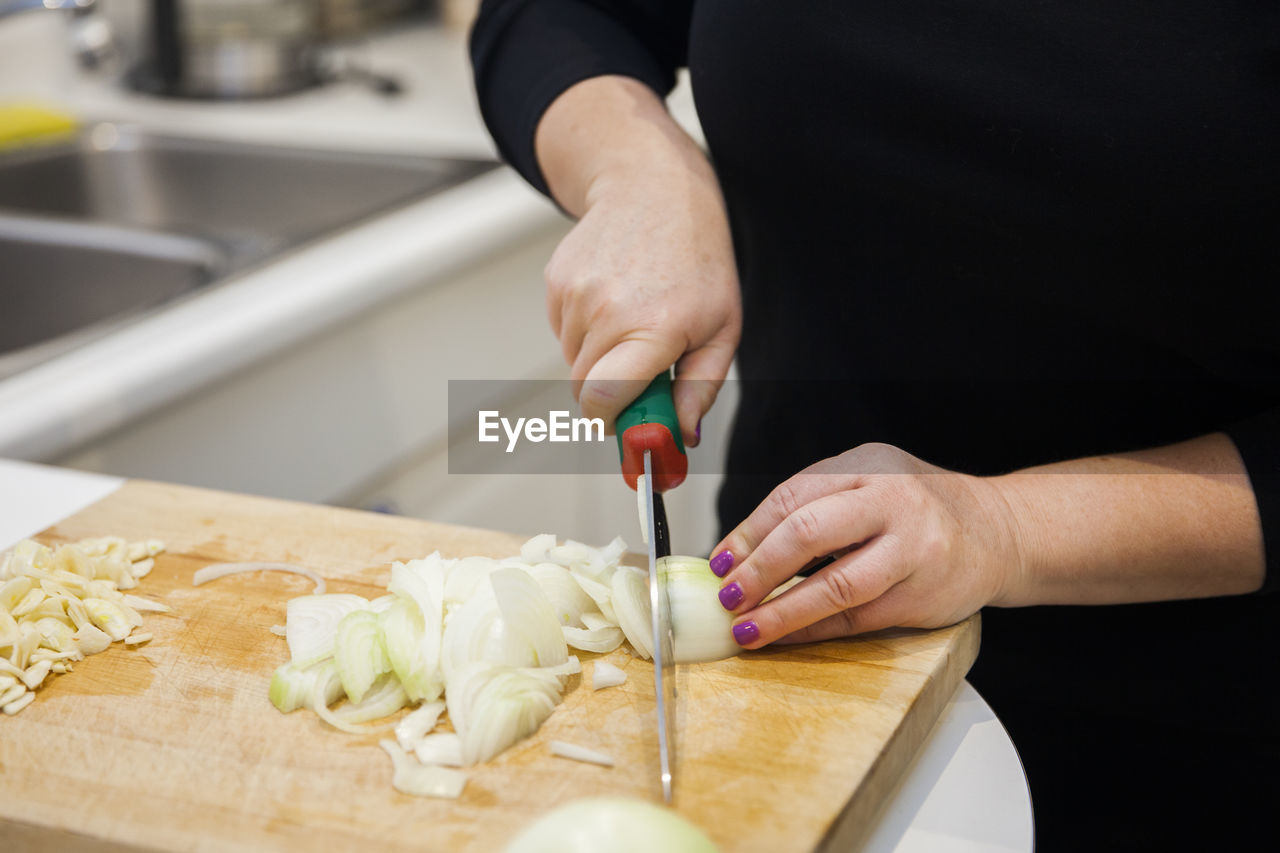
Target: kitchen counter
[(64, 403), (354, 335), (964, 792)]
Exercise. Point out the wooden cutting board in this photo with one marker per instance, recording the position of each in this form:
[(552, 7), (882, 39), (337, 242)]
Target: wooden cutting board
[(174, 745)]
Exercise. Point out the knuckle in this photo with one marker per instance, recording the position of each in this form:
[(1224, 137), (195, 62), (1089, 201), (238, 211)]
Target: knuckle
[(806, 529), (786, 498), (840, 591), (772, 625), (846, 623), (877, 458), (751, 578)]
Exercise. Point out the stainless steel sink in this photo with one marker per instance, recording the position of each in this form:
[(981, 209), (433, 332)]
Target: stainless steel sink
[(64, 283), (118, 221), (253, 200)]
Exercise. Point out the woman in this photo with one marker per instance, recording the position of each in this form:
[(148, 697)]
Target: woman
[(1033, 244)]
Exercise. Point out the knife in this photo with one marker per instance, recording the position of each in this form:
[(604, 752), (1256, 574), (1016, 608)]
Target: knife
[(653, 460)]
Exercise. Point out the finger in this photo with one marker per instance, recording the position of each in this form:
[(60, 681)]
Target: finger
[(818, 528), (822, 478), (621, 374), (699, 375), (862, 578), (887, 611)]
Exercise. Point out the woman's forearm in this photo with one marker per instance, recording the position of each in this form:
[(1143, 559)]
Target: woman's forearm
[(607, 130), (1168, 523)]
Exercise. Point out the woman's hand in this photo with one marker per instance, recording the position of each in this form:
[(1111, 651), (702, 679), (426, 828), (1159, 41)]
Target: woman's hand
[(919, 546), (916, 546), (646, 279)]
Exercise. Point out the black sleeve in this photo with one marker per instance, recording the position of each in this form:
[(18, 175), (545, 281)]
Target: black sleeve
[(1258, 440), (526, 52)]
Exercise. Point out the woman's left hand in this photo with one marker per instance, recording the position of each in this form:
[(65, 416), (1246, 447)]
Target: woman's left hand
[(915, 546)]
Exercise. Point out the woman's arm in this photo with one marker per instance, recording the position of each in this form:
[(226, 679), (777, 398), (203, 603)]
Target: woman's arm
[(647, 278), (1172, 522), (570, 90), (921, 546)]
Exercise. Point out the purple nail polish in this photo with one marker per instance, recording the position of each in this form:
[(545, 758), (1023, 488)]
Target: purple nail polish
[(697, 431), (731, 596), (721, 564), (746, 632)]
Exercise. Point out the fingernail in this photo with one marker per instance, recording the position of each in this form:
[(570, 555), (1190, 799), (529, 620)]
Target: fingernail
[(746, 632), (697, 431), (721, 564), (731, 596)]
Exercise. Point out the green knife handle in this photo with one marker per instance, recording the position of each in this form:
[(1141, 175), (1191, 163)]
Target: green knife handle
[(650, 423)]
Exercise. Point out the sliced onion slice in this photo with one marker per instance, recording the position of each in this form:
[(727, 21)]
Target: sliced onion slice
[(221, 570), (580, 753), (420, 780), (605, 674)]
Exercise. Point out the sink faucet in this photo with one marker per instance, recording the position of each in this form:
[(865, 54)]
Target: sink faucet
[(91, 39)]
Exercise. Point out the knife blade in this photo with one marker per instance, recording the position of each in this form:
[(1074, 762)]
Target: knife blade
[(654, 460), (664, 682)]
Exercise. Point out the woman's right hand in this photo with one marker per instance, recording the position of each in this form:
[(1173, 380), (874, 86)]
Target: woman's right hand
[(646, 278)]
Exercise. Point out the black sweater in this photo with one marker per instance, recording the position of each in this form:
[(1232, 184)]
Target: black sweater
[(997, 234)]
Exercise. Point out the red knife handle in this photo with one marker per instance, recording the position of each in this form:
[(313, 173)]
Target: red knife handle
[(670, 465)]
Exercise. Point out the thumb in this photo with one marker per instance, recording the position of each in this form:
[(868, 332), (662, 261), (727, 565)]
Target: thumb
[(620, 375)]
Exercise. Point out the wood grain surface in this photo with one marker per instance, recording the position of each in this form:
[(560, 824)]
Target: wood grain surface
[(174, 745)]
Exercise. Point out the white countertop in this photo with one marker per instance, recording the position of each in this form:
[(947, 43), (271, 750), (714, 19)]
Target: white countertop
[(964, 793)]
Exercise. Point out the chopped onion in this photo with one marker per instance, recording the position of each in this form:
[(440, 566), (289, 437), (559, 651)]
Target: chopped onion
[(572, 666), (443, 748), (489, 636), (702, 630), (605, 674), (359, 653), (294, 687), (538, 549), (420, 780), (580, 753), (413, 650), (493, 706), (616, 824), (565, 594), (413, 626), (415, 725), (601, 593), (221, 570), (311, 623), (596, 621), (529, 622), (602, 640), (386, 697), (631, 602)]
